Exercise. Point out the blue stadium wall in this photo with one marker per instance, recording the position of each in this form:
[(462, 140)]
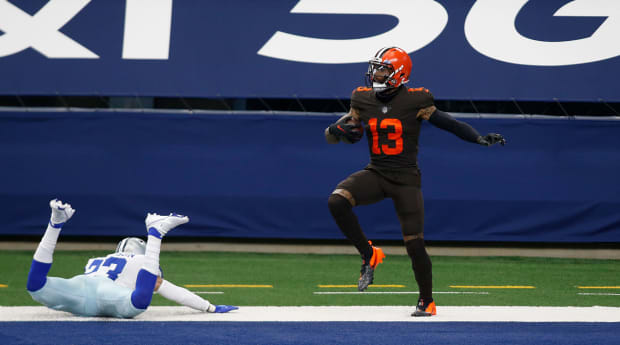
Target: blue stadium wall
[(461, 50), (266, 175)]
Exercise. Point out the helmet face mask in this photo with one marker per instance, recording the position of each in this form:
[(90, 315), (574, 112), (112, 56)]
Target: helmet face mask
[(131, 245), (389, 69), (380, 75)]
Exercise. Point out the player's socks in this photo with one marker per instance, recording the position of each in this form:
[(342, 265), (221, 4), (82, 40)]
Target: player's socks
[(37, 275), (151, 254), (157, 226), (45, 250), (343, 214), (43, 257), (147, 277), (422, 267), (142, 295)]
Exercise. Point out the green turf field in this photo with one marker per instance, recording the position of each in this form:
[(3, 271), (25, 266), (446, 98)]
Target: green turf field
[(296, 277)]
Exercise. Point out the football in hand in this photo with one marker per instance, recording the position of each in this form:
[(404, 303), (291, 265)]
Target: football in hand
[(359, 129)]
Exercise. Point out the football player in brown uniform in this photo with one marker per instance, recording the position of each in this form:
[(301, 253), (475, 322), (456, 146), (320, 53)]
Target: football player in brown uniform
[(392, 116)]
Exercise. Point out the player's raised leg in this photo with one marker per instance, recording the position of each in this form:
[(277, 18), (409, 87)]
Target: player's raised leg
[(42, 260), (157, 227), (57, 293), (361, 188)]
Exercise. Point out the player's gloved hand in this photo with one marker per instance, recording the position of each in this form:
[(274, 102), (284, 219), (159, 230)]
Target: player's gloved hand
[(224, 308), (342, 129), (61, 213), (491, 139)]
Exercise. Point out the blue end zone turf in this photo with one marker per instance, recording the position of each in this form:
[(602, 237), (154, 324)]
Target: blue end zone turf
[(474, 333)]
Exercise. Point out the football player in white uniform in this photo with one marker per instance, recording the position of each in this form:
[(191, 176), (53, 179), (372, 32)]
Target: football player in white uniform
[(118, 285)]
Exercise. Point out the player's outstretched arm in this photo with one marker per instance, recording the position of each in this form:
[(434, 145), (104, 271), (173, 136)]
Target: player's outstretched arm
[(187, 298), (461, 129), (341, 129)]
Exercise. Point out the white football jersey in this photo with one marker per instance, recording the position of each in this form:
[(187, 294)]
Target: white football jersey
[(122, 268)]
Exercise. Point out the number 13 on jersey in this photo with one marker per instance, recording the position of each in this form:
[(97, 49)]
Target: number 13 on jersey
[(396, 136)]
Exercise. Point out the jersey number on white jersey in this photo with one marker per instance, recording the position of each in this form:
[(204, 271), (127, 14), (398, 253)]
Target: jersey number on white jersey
[(113, 265)]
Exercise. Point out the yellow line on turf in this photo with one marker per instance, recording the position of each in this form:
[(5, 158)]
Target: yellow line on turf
[(374, 285), (492, 287), (3, 285), (227, 286), (598, 287)]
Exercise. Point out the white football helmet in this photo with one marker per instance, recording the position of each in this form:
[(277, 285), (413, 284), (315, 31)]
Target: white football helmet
[(131, 245)]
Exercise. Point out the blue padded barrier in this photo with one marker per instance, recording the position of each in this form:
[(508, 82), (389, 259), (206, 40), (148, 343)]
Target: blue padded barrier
[(265, 175)]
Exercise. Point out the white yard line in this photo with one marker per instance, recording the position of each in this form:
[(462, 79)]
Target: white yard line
[(397, 292), (598, 294), (332, 314)]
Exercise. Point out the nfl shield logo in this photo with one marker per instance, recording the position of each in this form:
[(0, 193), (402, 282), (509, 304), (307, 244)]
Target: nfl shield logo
[(384, 109)]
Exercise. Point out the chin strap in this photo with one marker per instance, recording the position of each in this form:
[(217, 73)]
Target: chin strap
[(380, 87)]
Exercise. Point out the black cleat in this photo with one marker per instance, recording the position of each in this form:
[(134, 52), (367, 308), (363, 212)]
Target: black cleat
[(367, 273)]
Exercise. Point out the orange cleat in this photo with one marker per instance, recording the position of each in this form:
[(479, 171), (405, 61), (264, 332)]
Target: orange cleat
[(425, 308), (377, 256)]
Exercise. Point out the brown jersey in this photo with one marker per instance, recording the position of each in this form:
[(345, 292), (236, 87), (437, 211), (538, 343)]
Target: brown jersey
[(392, 128)]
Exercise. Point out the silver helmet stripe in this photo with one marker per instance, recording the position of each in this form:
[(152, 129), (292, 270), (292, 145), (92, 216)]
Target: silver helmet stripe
[(383, 51)]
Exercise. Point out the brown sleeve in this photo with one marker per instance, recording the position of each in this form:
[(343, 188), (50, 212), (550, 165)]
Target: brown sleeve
[(424, 101), (356, 97)]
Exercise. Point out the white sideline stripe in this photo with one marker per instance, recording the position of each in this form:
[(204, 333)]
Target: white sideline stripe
[(598, 294), (331, 314), (397, 292)]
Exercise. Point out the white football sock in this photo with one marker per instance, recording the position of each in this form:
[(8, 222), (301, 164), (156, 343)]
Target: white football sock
[(45, 250), (153, 246)]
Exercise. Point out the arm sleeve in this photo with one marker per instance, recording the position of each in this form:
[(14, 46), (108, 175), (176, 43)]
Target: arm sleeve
[(183, 296), (461, 129)]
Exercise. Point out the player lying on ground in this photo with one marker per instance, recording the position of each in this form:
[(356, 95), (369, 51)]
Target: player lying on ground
[(118, 285)]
